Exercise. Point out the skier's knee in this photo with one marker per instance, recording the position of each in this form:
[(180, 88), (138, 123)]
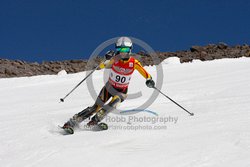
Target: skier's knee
[(115, 101), (107, 108)]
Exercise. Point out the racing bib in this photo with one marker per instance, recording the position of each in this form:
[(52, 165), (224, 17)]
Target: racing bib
[(120, 73)]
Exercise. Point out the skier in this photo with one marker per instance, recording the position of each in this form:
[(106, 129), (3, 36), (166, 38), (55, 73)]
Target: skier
[(122, 65)]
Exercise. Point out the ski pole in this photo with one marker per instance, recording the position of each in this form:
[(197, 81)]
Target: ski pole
[(62, 99), (191, 114)]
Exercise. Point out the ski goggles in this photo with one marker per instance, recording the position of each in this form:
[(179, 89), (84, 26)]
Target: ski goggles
[(123, 50)]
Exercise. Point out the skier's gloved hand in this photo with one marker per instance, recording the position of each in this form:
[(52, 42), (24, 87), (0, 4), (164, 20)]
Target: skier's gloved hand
[(150, 83), (109, 54), (102, 65)]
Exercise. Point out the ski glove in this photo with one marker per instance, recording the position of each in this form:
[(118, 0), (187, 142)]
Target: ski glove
[(109, 54), (150, 83)]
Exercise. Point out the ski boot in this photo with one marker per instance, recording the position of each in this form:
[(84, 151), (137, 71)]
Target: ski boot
[(68, 127), (78, 118), (95, 121)]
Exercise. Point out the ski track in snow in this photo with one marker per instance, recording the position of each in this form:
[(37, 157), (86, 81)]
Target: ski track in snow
[(217, 136)]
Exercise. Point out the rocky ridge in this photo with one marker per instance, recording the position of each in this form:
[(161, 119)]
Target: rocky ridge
[(19, 68)]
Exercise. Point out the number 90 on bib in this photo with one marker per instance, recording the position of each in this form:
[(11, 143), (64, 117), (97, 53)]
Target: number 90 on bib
[(118, 78)]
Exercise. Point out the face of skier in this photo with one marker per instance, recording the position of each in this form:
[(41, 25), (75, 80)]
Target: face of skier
[(124, 56), (123, 53)]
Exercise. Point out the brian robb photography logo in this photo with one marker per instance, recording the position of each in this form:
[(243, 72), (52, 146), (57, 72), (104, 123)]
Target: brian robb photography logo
[(136, 123), (151, 121)]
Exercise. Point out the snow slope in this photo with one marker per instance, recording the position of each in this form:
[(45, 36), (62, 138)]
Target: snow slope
[(217, 136)]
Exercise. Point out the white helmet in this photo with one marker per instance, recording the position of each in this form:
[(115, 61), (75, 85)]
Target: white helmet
[(124, 42)]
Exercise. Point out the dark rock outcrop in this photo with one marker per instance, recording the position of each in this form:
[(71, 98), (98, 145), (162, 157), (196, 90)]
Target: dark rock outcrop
[(18, 68)]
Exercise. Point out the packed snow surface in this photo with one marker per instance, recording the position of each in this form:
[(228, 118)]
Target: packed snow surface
[(218, 135)]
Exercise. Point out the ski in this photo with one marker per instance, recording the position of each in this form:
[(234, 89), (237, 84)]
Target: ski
[(99, 127)]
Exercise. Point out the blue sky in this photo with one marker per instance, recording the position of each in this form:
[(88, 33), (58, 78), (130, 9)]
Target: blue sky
[(49, 30)]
